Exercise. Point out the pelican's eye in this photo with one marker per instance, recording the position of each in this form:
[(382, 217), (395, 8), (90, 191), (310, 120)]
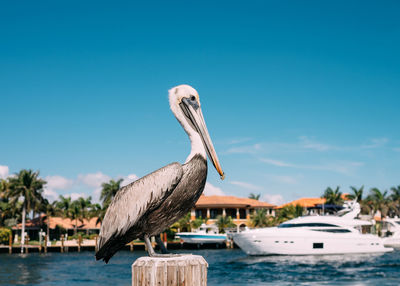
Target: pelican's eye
[(193, 98)]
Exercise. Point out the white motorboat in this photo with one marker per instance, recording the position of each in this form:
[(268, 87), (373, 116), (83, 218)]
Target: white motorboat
[(204, 234), (392, 233), (313, 235)]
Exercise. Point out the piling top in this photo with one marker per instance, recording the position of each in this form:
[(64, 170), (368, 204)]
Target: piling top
[(186, 259), (170, 271)]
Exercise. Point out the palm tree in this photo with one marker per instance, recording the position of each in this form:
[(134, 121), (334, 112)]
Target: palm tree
[(290, 212), (379, 201), (395, 196), (99, 212), (75, 213), (197, 222), (109, 190), (224, 222), (29, 186), (50, 209), (254, 196), (64, 204), (357, 194), (9, 213), (259, 218), (333, 197), (87, 209), (394, 204)]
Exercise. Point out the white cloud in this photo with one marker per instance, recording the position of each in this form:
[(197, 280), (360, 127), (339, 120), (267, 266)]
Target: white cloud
[(239, 140), (252, 149), (211, 190), (245, 185), (58, 182), (129, 179), (93, 180), (50, 194), (4, 171), (375, 143), (342, 167), (276, 162), (307, 143), (273, 199), (283, 179), (75, 196)]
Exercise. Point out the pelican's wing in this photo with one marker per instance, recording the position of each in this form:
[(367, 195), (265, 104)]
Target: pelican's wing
[(133, 200)]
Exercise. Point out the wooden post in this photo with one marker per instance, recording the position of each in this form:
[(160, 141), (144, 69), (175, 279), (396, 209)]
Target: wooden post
[(45, 244), (79, 242), (131, 246), (62, 243), (27, 244), (180, 270), (10, 244)]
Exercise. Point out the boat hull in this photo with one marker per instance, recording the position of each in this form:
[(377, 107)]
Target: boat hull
[(202, 238), (307, 243)]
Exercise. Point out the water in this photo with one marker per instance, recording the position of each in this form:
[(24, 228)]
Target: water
[(226, 267)]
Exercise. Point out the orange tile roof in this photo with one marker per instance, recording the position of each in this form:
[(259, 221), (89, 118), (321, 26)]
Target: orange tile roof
[(310, 202), (230, 201), (305, 202), (62, 222)]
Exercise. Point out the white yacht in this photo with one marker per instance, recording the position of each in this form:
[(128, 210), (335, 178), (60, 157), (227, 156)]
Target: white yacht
[(314, 235), (204, 234), (392, 233)]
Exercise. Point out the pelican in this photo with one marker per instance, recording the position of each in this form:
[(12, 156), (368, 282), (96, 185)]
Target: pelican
[(152, 203)]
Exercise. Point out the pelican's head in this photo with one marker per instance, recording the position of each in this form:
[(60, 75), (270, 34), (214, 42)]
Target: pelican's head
[(185, 104)]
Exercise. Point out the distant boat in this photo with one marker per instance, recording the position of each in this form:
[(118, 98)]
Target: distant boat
[(314, 235), (204, 234), (392, 238)]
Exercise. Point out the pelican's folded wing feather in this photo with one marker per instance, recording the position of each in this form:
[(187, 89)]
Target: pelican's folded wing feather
[(134, 200)]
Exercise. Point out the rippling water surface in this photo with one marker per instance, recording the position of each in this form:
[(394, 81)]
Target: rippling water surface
[(226, 267)]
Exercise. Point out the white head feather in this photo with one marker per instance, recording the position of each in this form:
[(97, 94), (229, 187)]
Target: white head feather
[(175, 97)]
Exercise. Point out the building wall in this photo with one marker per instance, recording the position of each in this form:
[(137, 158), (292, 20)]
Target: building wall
[(240, 216)]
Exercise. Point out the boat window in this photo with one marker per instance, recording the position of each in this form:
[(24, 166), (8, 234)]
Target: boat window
[(338, 230), (398, 222), (313, 224), (318, 245)]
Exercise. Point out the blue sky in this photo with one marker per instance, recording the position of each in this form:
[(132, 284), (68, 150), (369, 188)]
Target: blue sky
[(297, 95)]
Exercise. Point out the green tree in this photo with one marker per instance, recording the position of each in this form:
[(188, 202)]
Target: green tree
[(333, 197), (87, 209), (28, 186), (395, 201), (75, 214), (108, 192), (224, 222), (254, 196), (197, 222), (259, 218), (64, 205), (289, 212), (6, 209), (51, 210), (379, 201), (357, 194)]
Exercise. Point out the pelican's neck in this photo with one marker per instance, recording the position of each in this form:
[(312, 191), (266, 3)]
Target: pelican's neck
[(197, 146)]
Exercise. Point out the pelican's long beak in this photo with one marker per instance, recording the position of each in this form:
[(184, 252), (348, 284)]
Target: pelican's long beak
[(196, 119)]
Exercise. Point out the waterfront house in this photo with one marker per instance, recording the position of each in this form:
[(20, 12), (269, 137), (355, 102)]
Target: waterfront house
[(239, 209), (57, 226), (313, 205)]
